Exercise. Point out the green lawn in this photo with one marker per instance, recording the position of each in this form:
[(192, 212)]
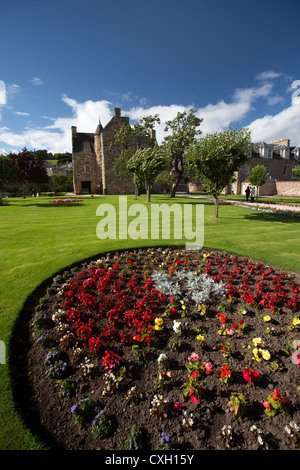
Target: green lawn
[(38, 239)]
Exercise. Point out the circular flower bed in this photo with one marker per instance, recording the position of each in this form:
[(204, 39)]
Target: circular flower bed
[(65, 201), (168, 349)]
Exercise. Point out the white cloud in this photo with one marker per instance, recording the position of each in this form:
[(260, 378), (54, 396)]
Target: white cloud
[(2, 93), (21, 113), (13, 90), (285, 124), (268, 75), (37, 81), (56, 137)]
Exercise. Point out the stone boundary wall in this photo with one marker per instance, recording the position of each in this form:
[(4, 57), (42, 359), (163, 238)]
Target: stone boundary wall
[(288, 188), (270, 188)]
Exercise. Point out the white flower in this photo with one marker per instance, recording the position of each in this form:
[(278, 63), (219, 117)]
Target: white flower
[(177, 326), (162, 358)]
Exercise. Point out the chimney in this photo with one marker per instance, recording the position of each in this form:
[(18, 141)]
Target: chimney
[(117, 112), (74, 131)]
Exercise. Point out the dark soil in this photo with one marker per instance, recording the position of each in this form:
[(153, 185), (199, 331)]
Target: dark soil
[(49, 416)]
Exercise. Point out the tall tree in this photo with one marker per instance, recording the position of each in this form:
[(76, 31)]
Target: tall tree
[(130, 139), (145, 165), (7, 173), (183, 131), (29, 169), (216, 157), (258, 176)]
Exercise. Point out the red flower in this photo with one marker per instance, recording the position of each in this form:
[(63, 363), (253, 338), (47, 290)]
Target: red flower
[(249, 374), (225, 371), (177, 406)]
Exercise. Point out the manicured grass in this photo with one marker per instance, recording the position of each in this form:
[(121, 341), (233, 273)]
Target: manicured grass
[(38, 239)]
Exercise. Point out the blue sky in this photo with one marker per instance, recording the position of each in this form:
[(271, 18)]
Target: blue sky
[(67, 63)]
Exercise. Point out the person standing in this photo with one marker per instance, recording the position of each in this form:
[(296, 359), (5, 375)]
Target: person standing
[(247, 192), (252, 193)]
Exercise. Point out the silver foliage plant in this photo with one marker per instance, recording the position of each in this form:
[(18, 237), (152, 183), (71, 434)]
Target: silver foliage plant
[(198, 289)]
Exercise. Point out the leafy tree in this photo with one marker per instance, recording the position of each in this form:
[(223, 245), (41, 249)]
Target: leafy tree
[(296, 172), (145, 165), (183, 132), (216, 157), (62, 182), (29, 168), (166, 180), (257, 177), (130, 139), (7, 173), (63, 158)]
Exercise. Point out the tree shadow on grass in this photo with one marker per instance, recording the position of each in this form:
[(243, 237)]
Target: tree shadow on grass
[(271, 217)]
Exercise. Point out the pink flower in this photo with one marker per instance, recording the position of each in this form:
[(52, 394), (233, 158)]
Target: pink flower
[(195, 374), (208, 367), (296, 357), (267, 405), (193, 357), (177, 406)]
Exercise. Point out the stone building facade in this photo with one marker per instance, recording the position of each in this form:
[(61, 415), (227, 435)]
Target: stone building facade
[(278, 158), (93, 159)]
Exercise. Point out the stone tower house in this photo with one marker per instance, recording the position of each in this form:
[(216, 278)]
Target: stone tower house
[(93, 159)]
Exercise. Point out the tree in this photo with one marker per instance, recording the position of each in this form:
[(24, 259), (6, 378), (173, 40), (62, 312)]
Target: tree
[(145, 165), (183, 134), (216, 157), (29, 168), (258, 176), (7, 173), (130, 139), (296, 172), (62, 182)]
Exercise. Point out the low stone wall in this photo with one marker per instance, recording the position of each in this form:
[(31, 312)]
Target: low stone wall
[(288, 188), (271, 188)]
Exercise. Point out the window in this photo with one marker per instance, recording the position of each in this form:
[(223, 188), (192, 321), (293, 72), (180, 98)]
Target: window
[(87, 169), (284, 153), (247, 170), (270, 153)]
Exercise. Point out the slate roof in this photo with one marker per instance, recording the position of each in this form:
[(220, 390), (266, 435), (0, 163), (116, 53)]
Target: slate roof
[(80, 139)]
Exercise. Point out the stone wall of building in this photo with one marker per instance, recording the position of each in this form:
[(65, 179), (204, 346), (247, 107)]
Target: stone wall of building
[(111, 181), (288, 188)]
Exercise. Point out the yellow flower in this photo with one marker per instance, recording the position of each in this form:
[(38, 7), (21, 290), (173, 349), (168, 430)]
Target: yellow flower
[(200, 337), (266, 318), (156, 327), (183, 307), (256, 354), (296, 321), (265, 354), (257, 341), (159, 321)]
